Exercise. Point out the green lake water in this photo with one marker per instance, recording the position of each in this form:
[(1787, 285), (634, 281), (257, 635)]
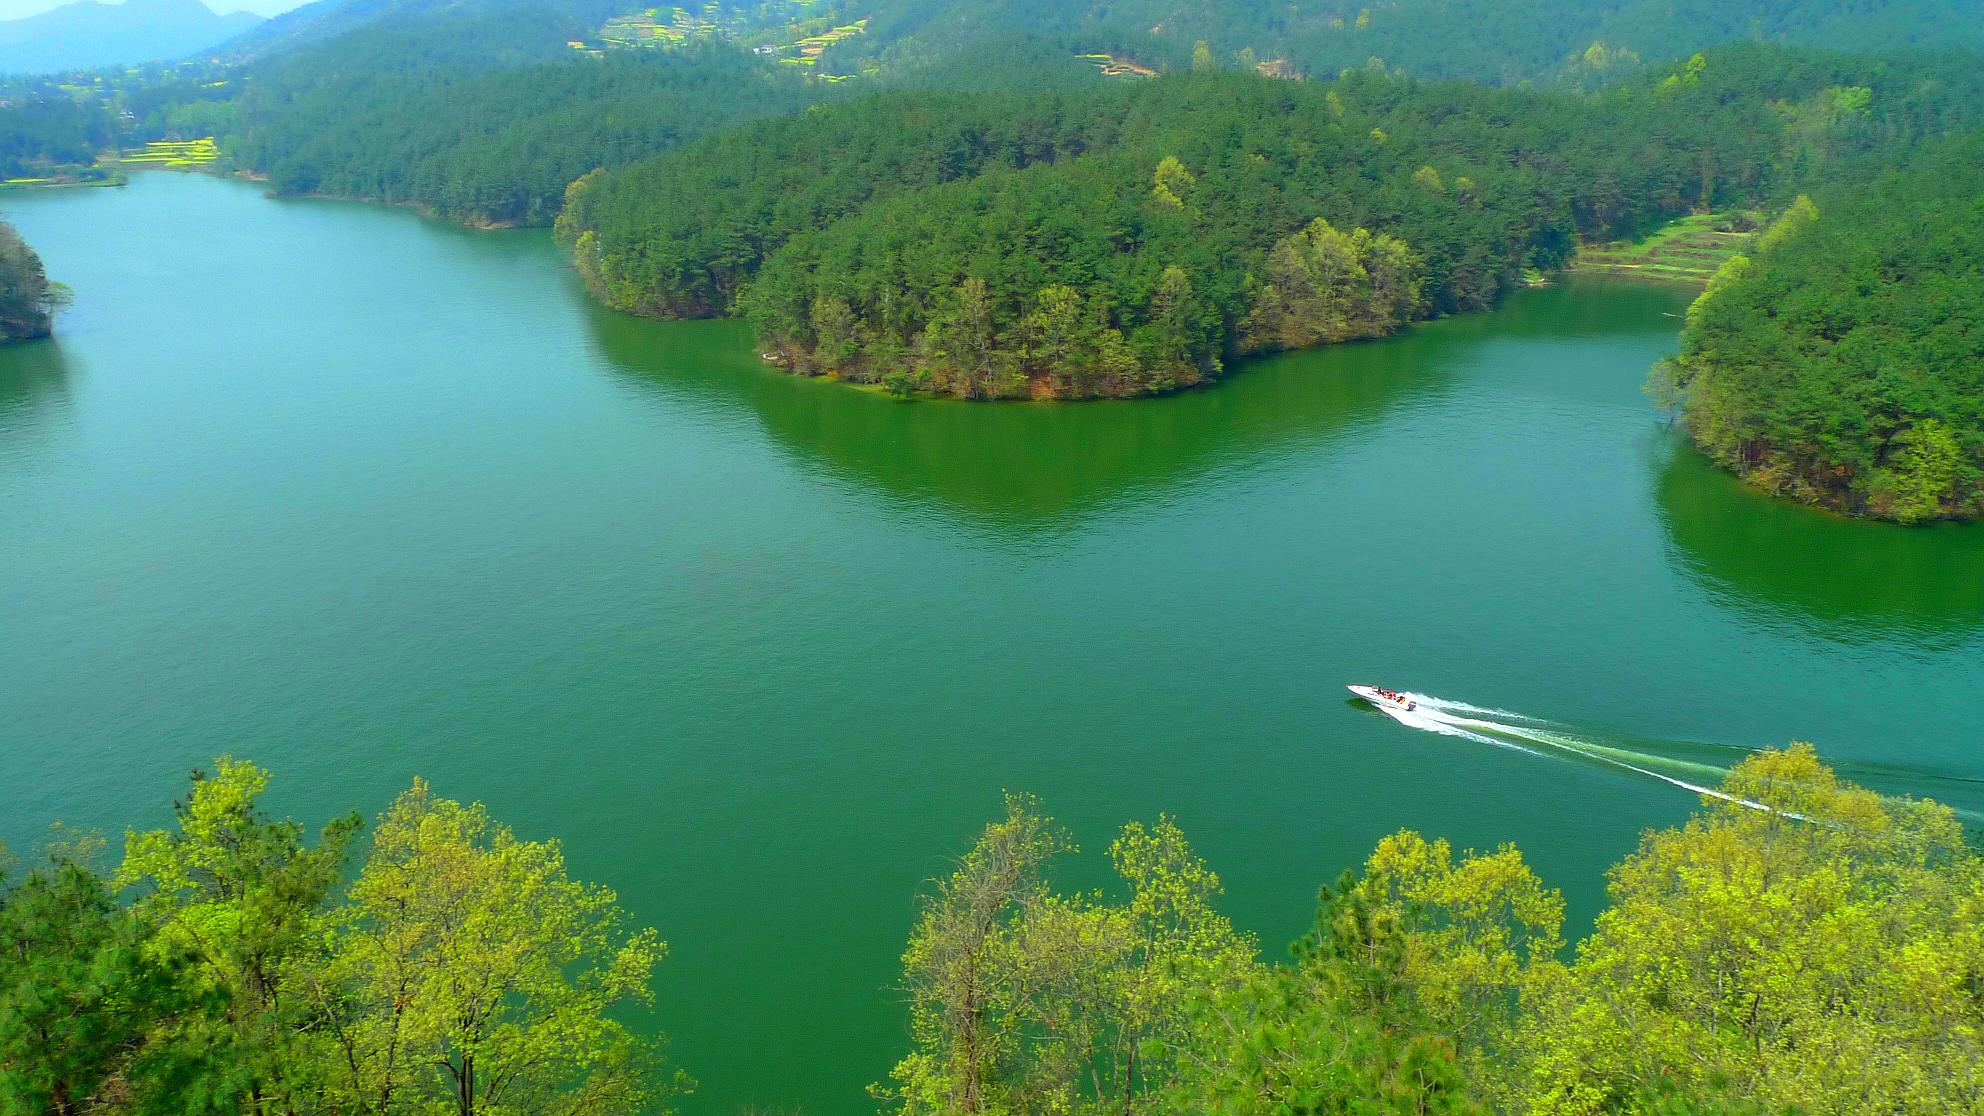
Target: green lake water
[(361, 496)]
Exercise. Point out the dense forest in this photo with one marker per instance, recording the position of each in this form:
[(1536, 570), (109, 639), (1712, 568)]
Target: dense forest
[(378, 115), (1496, 41), (1801, 945), (1135, 239), (27, 299), (45, 131), (1842, 361)]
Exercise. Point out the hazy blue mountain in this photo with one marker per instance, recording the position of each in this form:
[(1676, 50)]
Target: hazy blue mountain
[(327, 19), (88, 33)]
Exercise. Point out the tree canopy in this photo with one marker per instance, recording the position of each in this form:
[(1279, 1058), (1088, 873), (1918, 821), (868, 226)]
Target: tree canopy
[(492, 135), (1493, 41), (1801, 945), (228, 965), (1842, 360), (27, 299), (1136, 239)]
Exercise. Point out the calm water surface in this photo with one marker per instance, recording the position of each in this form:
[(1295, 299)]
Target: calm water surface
[(362, 496)]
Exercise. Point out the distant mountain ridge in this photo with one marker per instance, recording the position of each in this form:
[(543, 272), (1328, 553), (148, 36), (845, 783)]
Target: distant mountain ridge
[(89, 34), (1496, 41), (322, 20)]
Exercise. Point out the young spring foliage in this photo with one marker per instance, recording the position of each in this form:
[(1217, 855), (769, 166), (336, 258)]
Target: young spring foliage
[(1022, 1000), (468, 972), (1818, 954), (235, 897), (1800, 946), (219, 970)]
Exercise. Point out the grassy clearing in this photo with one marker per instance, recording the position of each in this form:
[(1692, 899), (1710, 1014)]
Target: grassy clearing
[(1688, 250)]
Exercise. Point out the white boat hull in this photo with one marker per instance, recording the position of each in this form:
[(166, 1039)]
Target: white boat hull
[(1385, 699)]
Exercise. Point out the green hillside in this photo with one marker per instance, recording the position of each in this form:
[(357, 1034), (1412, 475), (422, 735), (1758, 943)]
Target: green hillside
[(1842, 361)]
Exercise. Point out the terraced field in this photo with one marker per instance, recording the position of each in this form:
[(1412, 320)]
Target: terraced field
[(174, 153), (1113, 65), (1688, 250), (661, 27), (790, 41)]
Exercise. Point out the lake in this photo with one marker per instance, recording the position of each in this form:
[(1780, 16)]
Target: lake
[(361, 496)]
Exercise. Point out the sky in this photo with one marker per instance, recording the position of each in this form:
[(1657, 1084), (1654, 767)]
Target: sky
[(15, 9)]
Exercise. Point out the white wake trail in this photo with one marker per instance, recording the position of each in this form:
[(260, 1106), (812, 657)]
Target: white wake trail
[(1471, 722), (1431, 720), (1461, 707)]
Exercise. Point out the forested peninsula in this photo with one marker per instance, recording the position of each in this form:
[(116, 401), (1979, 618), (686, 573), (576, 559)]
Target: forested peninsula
[(1138, 240), (27, 299), (1841, 362), (1799, 945)]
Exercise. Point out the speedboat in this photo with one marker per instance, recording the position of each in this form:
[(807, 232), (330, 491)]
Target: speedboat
[(1385, 699)]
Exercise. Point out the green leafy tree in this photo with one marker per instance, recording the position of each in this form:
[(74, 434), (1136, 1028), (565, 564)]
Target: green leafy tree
[(1798, 215), (1171, 341), (1172, 183), (836, 340), (1479, 936), (962, 971), (1179, 947), (242, 897), (1923, 475), (469, 975), (965, 340), (79, 990), (1805, 945), (1022, 1000), (1324, 285), (1059, 330), (24, 289)]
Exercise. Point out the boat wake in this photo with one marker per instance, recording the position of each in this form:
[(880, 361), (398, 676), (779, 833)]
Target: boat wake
[(1697, 768), (1504, 729)]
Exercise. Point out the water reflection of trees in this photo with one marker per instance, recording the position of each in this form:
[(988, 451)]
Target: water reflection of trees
[(1847, 579), (1024, 467), (34, 397)]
